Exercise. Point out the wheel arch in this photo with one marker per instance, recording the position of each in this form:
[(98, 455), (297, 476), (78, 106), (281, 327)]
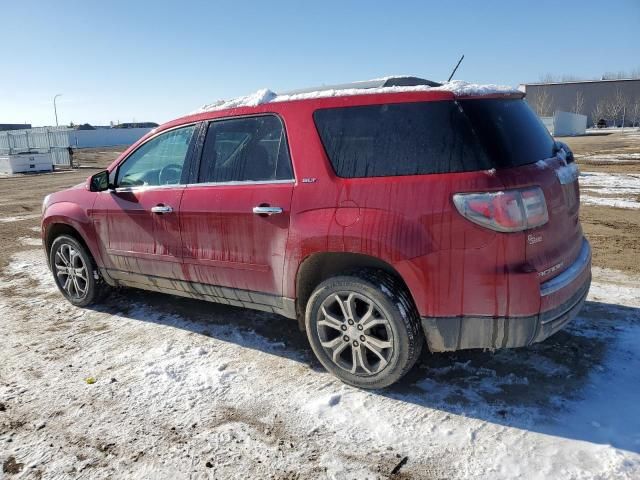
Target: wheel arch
[(318, 267), (55, 229)]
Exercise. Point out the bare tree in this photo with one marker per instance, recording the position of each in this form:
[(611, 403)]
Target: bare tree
[(599, 112), (565, 77), (634, 112), (542, 102), (617, 107), (579, 105), (610, 111), (615, 75), (569, 77), (549, 78), (613, 107)]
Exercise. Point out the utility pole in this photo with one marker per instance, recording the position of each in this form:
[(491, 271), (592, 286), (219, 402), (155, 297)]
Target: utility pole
[(55, 110)]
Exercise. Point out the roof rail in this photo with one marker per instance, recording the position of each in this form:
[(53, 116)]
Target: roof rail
[(377, 83)]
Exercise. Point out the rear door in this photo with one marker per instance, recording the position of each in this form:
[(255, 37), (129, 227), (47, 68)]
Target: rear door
[(235, 219), (526, 154), (138, 222)]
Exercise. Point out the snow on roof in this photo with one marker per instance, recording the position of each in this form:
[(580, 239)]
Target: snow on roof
[(457, 87)]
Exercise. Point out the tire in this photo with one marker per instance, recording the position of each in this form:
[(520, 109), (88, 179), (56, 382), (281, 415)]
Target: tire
[(366, 319), (79, 285)]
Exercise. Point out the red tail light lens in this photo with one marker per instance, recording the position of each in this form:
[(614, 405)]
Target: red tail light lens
[(508, 211)]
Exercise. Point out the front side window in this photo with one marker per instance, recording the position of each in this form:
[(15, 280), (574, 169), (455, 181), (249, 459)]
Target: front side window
[(245, 149), (160, 161)]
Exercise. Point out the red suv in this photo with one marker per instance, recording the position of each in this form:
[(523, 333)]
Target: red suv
[(377, 214)]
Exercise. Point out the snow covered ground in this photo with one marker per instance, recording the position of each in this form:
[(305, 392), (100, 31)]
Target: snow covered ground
[(189, 389), (610, 189), (610, 158)]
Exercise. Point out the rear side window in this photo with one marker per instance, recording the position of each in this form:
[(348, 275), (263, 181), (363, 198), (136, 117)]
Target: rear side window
[(399, 139), (245, 149), (511, 133)]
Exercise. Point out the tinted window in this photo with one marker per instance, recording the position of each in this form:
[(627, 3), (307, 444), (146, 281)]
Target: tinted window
[(510, 131), (160, 161), (399, 139), (243, 149)]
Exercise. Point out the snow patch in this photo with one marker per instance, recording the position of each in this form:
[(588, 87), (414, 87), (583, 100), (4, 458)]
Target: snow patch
[(253, 100), (567, 173), (615, 202), (30, 242), (621, 158), (19, 218), (456, 87), (595, 185)]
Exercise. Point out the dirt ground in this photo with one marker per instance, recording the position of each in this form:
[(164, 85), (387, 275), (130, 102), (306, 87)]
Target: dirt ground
[(21, 196), (614, 233)]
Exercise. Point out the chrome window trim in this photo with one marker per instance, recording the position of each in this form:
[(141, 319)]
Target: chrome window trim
[(142, 188), (234, 183), (570, 274)]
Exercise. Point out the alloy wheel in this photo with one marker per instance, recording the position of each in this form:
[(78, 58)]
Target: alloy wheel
[(71, 271), (355, 333)]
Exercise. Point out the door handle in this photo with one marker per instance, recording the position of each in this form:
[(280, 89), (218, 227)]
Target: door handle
[(162, 209), (266, 210)]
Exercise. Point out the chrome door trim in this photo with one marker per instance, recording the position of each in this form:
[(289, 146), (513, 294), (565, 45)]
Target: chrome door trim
[(239, 183)]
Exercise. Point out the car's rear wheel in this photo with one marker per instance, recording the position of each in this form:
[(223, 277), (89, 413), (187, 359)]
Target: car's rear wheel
[(364, 328), (73, 270)]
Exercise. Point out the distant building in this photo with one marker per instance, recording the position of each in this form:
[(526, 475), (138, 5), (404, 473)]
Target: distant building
[(136, 125), (613, 101), (14, 126)]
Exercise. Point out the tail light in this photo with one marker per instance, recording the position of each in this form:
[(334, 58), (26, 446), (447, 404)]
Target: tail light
[(508, 211)]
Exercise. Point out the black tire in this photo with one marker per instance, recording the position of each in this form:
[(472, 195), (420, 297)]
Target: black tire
[(92, 286), (398, 326)]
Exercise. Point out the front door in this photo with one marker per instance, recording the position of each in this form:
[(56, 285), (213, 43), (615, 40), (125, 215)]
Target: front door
[(235, 220), (138, 223)]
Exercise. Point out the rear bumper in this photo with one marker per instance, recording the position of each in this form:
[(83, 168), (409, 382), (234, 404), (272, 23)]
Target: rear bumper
[(458, 333)]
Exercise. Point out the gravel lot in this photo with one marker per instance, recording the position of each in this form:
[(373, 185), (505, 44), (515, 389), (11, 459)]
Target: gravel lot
[(150, 386)]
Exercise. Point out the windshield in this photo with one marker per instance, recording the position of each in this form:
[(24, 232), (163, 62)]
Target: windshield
[(510, 132)]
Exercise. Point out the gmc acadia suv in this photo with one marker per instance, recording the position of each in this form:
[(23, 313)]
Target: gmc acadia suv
[(378, 216)]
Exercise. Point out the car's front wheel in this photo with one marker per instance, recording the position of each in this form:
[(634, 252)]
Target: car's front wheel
[(73, 270), (364, 328)]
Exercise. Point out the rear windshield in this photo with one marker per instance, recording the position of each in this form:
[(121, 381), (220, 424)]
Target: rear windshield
[(511, 133), (427, 137)]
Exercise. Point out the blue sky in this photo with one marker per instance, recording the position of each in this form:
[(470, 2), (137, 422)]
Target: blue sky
[(153, 61)]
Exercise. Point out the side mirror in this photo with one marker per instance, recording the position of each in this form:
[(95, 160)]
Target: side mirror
[(100, 182)]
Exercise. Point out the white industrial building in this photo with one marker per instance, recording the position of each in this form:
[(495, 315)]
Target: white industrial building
[(43, 148)]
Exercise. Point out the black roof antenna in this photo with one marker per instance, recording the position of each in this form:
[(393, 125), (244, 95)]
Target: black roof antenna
[(454, 70)]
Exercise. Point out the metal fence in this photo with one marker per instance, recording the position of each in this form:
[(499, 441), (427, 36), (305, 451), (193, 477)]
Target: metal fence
[(54, 140)]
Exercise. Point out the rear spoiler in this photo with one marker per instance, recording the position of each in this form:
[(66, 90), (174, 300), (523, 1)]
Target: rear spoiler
[(513, 95)]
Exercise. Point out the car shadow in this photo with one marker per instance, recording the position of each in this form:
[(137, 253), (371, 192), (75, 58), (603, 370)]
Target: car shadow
[(563, 386)]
